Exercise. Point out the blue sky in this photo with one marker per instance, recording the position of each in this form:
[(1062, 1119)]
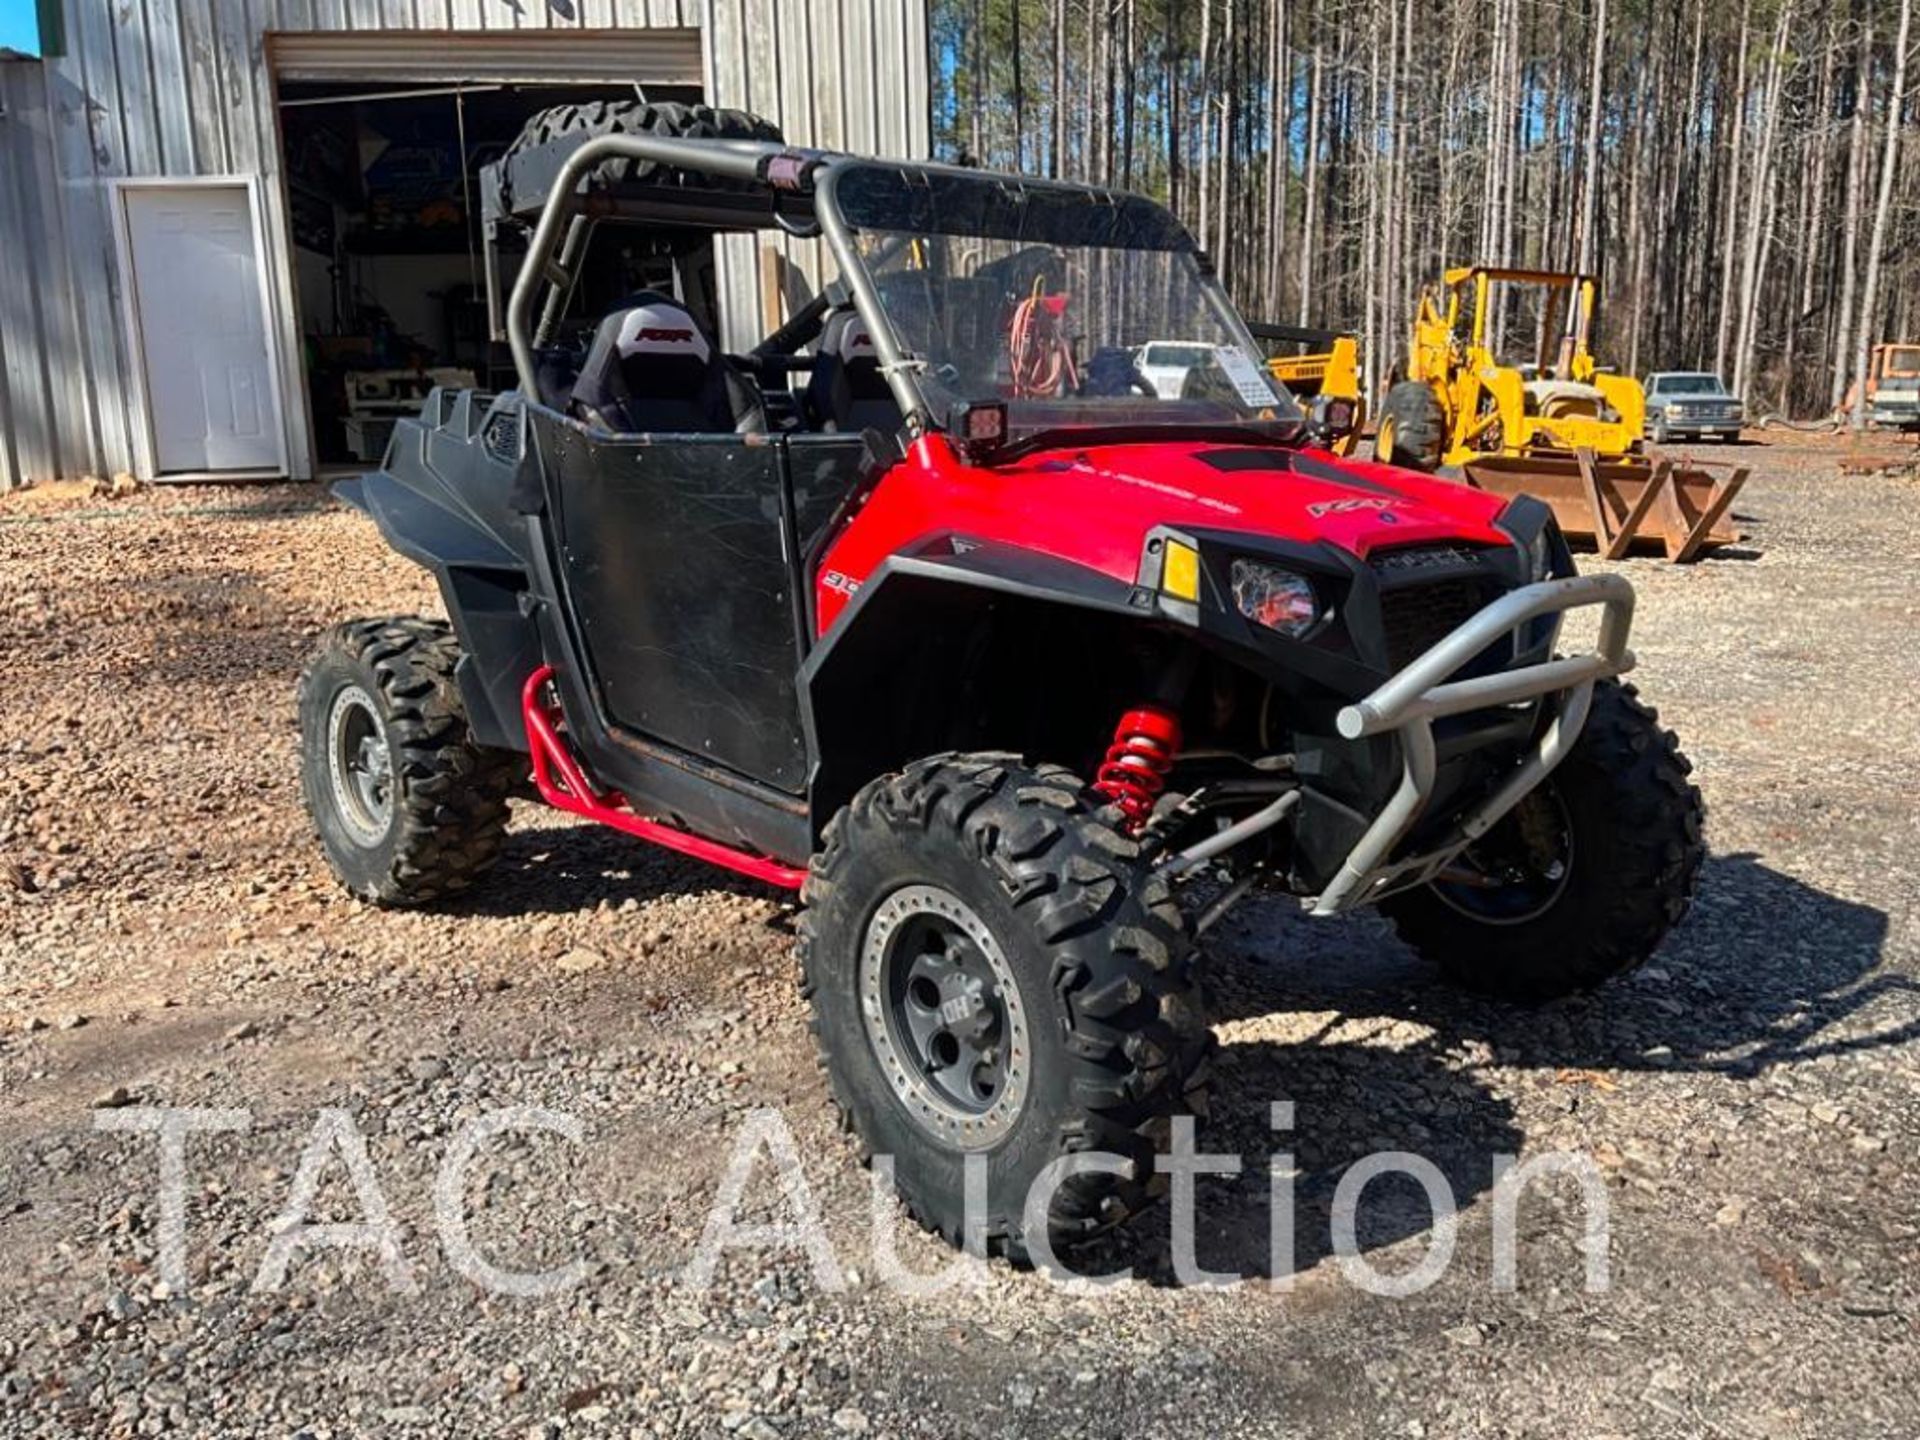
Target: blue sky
[(18, 28)]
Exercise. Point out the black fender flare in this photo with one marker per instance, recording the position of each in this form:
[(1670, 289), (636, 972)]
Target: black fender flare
[(913, 604), (430, 531), (483, 583)]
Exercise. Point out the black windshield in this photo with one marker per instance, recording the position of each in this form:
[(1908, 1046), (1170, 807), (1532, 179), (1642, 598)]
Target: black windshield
[(1060, 301)]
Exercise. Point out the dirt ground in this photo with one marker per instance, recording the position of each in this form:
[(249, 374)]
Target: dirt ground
[(169, 936)]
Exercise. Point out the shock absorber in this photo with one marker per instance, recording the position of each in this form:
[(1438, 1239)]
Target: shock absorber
[(1135, 770)]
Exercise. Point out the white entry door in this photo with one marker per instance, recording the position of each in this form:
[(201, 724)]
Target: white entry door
[(202, 329)]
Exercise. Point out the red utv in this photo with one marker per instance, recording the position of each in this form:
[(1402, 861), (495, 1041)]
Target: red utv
[(932, 608)]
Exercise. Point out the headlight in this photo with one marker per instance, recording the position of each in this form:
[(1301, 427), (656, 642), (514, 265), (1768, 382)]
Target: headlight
[(1278, 599)]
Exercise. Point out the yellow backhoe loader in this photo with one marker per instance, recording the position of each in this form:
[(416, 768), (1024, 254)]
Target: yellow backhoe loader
[(1561, 428)]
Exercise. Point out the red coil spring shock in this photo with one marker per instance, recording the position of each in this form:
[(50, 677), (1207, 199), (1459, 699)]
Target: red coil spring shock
[(1135, 770)]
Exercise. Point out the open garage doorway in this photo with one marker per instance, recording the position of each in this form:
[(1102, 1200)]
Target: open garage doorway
[(383, 202)]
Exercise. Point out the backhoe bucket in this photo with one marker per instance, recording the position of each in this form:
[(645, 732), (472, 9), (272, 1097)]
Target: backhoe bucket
[(1680, 505)]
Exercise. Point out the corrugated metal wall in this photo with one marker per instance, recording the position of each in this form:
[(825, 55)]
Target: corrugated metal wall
[(51, 395), (839, 74), (183, 87)]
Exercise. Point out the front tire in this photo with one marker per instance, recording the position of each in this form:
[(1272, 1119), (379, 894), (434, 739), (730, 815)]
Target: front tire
[(1596, 866), (993, 970), (1413, 428), (409, 809)]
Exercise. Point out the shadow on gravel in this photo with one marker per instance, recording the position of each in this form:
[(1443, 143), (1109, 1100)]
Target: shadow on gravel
[(1762, 971), (212, 625), (1350, 1101), (563, 870)]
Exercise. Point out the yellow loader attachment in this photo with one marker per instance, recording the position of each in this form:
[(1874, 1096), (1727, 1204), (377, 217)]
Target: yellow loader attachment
[(1328, 363), (1560, 428)]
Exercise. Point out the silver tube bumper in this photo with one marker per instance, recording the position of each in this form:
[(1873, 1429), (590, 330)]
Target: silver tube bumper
[(1424, 691)]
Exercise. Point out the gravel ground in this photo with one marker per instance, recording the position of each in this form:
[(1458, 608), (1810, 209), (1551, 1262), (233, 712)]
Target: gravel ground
[(169, 936)]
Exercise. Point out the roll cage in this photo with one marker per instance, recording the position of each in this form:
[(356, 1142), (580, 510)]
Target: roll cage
[(761, 185)]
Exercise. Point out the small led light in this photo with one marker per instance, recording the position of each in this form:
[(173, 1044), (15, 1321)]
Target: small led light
[(984, 424), (1180, 571), (1274, 598)]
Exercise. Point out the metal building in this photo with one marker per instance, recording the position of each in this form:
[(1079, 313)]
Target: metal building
[(146, 125)]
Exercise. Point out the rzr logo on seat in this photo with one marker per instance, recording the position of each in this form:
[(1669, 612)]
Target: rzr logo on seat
[(664, 330)]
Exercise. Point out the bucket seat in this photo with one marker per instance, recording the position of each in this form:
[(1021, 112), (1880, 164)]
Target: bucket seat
[(652, 370), (846, 391)]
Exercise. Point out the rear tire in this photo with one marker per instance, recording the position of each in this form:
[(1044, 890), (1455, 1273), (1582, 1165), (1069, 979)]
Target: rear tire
[(1633, 848), (408, 808), (1084, 968), (1413, 428)]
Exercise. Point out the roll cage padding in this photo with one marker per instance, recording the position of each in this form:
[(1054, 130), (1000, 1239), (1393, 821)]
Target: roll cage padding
[(803, 327), (555, 371)]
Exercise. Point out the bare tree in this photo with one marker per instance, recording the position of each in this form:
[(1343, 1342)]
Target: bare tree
[(1309, 237), (1734, 174), (1736, 166), (1889, 157), (1590, 177), (1760, 206), (1856, 189)]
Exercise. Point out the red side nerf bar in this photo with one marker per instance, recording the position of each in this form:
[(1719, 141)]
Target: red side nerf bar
[(564, 785)]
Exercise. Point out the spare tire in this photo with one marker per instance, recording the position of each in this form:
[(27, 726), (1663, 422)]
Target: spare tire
[(1413, 428), (639, 117)]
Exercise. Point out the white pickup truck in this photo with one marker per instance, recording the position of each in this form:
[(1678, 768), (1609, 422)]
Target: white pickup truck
[(1166, 363)]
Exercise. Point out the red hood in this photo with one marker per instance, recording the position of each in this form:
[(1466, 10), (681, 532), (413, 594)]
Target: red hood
[(1094, 505)]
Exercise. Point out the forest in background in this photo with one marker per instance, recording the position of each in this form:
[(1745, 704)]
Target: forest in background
[(1741, 174)]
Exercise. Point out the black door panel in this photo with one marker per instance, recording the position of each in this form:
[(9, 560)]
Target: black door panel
[(677, 560)]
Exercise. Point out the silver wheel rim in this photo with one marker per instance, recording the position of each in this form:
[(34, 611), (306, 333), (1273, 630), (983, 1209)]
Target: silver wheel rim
[(979, 998), (1538, 892), (359, 766)]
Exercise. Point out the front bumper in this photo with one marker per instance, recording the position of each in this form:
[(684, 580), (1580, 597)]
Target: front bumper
[(1719, 423), (1424, 691)]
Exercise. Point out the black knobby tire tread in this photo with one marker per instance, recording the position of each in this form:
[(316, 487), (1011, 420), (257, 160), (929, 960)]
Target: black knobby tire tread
[(1661, 848), (1419, 425), (450, 793), (669, 119), (1130, 983)]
